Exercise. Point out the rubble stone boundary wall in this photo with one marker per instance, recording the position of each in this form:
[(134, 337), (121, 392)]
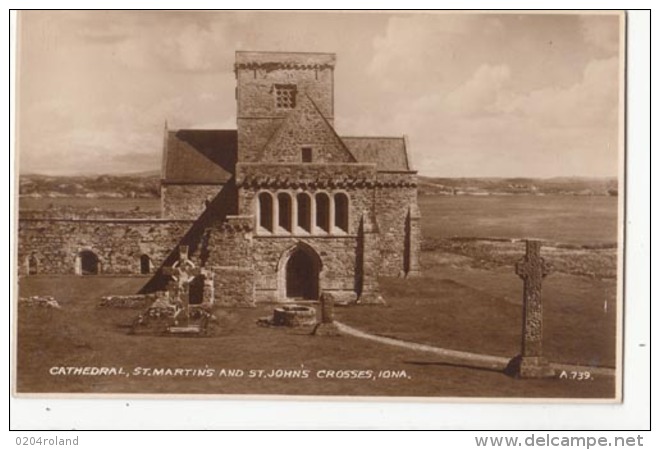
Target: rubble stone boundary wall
[(55, 246)]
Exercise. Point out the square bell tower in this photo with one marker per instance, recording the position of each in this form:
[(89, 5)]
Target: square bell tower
[(269, 86)]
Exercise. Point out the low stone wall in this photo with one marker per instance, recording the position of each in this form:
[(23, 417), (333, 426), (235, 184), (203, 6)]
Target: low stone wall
[(127, 301), (55, 246), (38, 301)]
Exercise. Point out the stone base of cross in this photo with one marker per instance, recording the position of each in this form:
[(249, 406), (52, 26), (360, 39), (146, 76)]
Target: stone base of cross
[(530, 367), (182, 272), (532, 268)]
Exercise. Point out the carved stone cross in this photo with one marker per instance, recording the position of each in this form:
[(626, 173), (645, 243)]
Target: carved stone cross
[(183, 272), (532, 268)]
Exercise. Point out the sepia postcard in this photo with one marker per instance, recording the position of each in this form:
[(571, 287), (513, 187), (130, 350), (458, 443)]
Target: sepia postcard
[(296, 204)]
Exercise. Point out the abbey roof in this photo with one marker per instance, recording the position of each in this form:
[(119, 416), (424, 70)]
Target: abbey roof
[(199, 156)]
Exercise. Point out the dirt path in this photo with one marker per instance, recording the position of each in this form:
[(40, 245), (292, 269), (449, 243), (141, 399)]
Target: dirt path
[(456, 357)]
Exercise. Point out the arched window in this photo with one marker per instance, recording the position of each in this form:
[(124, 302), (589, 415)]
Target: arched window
[(323, 211), (284, 203), (266, 211), (145, 264), (341, 211), (304, 212), (88, 263)]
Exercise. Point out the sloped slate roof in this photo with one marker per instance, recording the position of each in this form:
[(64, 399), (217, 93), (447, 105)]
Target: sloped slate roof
[(200, 156), (389, 153)]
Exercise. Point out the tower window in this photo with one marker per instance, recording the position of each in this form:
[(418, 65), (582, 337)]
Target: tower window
[(307, 154), (285, 96)]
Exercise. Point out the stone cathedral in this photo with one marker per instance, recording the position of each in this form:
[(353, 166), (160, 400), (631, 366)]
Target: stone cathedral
[(280, 209)]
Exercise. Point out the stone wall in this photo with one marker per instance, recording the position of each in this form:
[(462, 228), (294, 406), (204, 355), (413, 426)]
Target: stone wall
[(127, 301), (234, 286), (257, 76), (54, 245), (229, 244), (360, 200), (393, 203), (337, 257), (253, 135), (256, 96), (320, 175), (258, 115), (186, 201)]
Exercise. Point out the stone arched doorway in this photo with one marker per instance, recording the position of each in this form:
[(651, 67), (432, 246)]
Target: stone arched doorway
[(87, 263), (299, 275)]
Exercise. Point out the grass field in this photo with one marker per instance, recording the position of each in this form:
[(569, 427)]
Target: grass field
[(80, 334), (468, 299)]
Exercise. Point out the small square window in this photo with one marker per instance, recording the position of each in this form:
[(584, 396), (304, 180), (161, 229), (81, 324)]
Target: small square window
[(307, 154), (285, 96)]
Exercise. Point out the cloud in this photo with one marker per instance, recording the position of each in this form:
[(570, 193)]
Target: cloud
[(591, 102), (481, 92), (477, 94)]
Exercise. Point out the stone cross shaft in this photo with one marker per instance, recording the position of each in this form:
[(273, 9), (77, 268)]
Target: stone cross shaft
[(183, 272), (532, 269), (327, 325), (327, 309)]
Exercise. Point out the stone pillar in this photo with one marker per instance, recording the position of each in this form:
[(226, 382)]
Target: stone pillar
[(294, 213), (331, 214), (312, 212), (368, 238), (257, 212), (327, 326), (276, 214), (532, 269)]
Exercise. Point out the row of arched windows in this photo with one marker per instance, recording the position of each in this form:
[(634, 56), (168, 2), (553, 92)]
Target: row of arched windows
[(321, 213), (86, 263)]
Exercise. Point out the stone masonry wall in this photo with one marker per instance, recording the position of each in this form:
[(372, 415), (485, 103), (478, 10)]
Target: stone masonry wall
[(257, 114), (338, 261), (360, 200), (253, 135), (392, 206), (118, 244), (256, 96), (186, 201), (229, 256), (234, 286)]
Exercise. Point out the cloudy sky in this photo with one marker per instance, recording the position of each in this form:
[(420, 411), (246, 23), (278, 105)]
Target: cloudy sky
[(477, 94)]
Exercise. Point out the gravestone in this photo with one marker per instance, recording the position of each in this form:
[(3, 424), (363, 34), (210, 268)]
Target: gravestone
[(532, 268), (327, 326)]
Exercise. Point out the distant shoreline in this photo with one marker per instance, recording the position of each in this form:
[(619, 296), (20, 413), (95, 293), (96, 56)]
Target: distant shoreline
[(147, 185)]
